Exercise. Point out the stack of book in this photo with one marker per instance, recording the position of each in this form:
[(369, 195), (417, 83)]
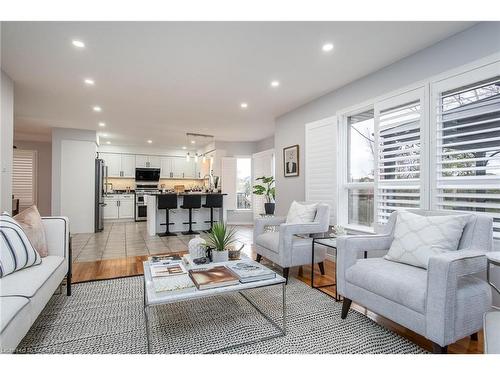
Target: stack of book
[(169, 273), (251, 271)]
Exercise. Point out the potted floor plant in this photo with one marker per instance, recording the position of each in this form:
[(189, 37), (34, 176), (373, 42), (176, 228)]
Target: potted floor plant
[(268, 190), (219, 241)]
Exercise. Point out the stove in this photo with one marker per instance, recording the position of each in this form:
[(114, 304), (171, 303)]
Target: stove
[(141, 209)]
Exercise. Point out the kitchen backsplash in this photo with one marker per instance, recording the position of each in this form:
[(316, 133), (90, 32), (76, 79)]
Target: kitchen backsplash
[(123, 183)]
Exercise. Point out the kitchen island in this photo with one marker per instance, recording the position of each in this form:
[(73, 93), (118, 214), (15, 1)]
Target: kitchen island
[(179, 216)]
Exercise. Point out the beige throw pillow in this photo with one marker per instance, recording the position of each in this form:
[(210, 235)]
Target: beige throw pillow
[(31, 222)]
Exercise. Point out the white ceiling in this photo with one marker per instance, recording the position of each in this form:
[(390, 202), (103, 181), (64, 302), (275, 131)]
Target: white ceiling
[(159, 80)]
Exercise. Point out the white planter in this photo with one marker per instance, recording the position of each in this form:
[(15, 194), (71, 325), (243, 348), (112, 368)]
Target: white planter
[(220, 256)]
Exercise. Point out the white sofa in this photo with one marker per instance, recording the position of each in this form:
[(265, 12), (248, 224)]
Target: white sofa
[(24, 294)]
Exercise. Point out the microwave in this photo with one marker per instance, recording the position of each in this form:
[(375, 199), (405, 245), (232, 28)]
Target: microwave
[(147, 174)]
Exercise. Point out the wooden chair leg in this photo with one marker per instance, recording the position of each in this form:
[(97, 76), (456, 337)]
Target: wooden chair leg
[(473, 337), (438, 349), (321, 267), (258, 258), (346, 304)]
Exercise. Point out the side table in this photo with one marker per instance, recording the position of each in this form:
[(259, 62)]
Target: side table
[(493, 260), (330, 242)]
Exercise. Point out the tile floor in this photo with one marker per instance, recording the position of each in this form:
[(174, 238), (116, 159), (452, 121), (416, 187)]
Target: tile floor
[(126, 239)]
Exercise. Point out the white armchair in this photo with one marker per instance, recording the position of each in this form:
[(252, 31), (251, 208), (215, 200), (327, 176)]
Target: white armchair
[(444, 303), (284, 247)]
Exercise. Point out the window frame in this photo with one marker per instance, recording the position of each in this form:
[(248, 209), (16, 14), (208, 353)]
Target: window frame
[(343, 168)]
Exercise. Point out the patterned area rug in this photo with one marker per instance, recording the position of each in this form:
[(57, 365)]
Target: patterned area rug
[(108, 317)]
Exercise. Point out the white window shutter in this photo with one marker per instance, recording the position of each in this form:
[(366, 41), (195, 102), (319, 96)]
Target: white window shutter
[(467, 149), (320, 156), (262, 165), (24, 174), (229, 182), (400, 124)]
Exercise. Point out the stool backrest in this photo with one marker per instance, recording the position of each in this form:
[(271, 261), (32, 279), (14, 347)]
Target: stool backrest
[(167, 201), (213, 200), (191, 201)]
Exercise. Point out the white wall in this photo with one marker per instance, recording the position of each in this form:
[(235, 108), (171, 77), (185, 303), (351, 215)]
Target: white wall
[(73, 179), (472, 44), (44, 173), (6, 140), (78, 184)]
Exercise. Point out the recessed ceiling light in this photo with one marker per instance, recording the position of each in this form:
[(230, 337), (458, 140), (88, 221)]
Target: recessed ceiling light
[(275, 83), (327, 47), (150, 141), (244, 105), (102, 124), (104, 134), (96, 108), (89, 82), (108, 142), (184, 147), (78, 43), (193, 142)]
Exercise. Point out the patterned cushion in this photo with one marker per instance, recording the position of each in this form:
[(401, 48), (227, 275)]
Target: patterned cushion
[(16, 250), (417, 238), (31, 222), (301, 213)]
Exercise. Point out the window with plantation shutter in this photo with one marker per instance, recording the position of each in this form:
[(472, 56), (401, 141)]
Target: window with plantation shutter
[(24, 177), (400, 149), (467, 152)]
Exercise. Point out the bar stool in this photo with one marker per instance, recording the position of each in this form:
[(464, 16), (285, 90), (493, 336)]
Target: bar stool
[(212, 201), (189, 202), (167, 202)]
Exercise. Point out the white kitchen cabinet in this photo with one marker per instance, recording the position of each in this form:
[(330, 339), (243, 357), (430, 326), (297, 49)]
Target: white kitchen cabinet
[(128, 166), (147, 161), (154, 161), (119, 165), (119, 206), (184, 169), (126, 207), (110, 210), (141, 161), (166, 167), (113, 163)]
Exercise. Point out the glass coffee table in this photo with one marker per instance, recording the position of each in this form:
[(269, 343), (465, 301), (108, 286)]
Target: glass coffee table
[(153, 298)]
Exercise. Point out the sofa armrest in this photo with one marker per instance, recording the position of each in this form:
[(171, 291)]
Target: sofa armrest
[(443, 272), (307, 228), (57, 235), (262, 222), (350, 248)]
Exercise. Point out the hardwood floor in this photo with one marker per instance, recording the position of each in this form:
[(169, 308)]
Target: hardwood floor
[(132, 266)]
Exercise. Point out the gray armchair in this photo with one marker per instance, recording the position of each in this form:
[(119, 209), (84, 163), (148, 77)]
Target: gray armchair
[(284, 247), (444, 303)]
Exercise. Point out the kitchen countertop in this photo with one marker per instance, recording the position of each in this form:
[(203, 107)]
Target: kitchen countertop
[(187, 193)]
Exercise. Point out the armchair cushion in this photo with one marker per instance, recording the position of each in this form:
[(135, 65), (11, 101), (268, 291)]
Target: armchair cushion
[(301, 213), (400, 283), (417, 238)]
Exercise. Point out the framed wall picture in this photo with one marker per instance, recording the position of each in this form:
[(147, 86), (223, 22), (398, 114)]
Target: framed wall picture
[(291, 161)]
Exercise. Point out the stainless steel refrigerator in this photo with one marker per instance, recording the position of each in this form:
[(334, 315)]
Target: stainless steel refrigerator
[(101, 176)]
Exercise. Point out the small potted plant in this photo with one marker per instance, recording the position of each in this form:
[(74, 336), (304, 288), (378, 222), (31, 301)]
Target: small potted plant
[(267, 190), (219, 241)]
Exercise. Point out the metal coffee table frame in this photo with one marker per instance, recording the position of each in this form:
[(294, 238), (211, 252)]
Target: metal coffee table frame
[(227, 290)]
